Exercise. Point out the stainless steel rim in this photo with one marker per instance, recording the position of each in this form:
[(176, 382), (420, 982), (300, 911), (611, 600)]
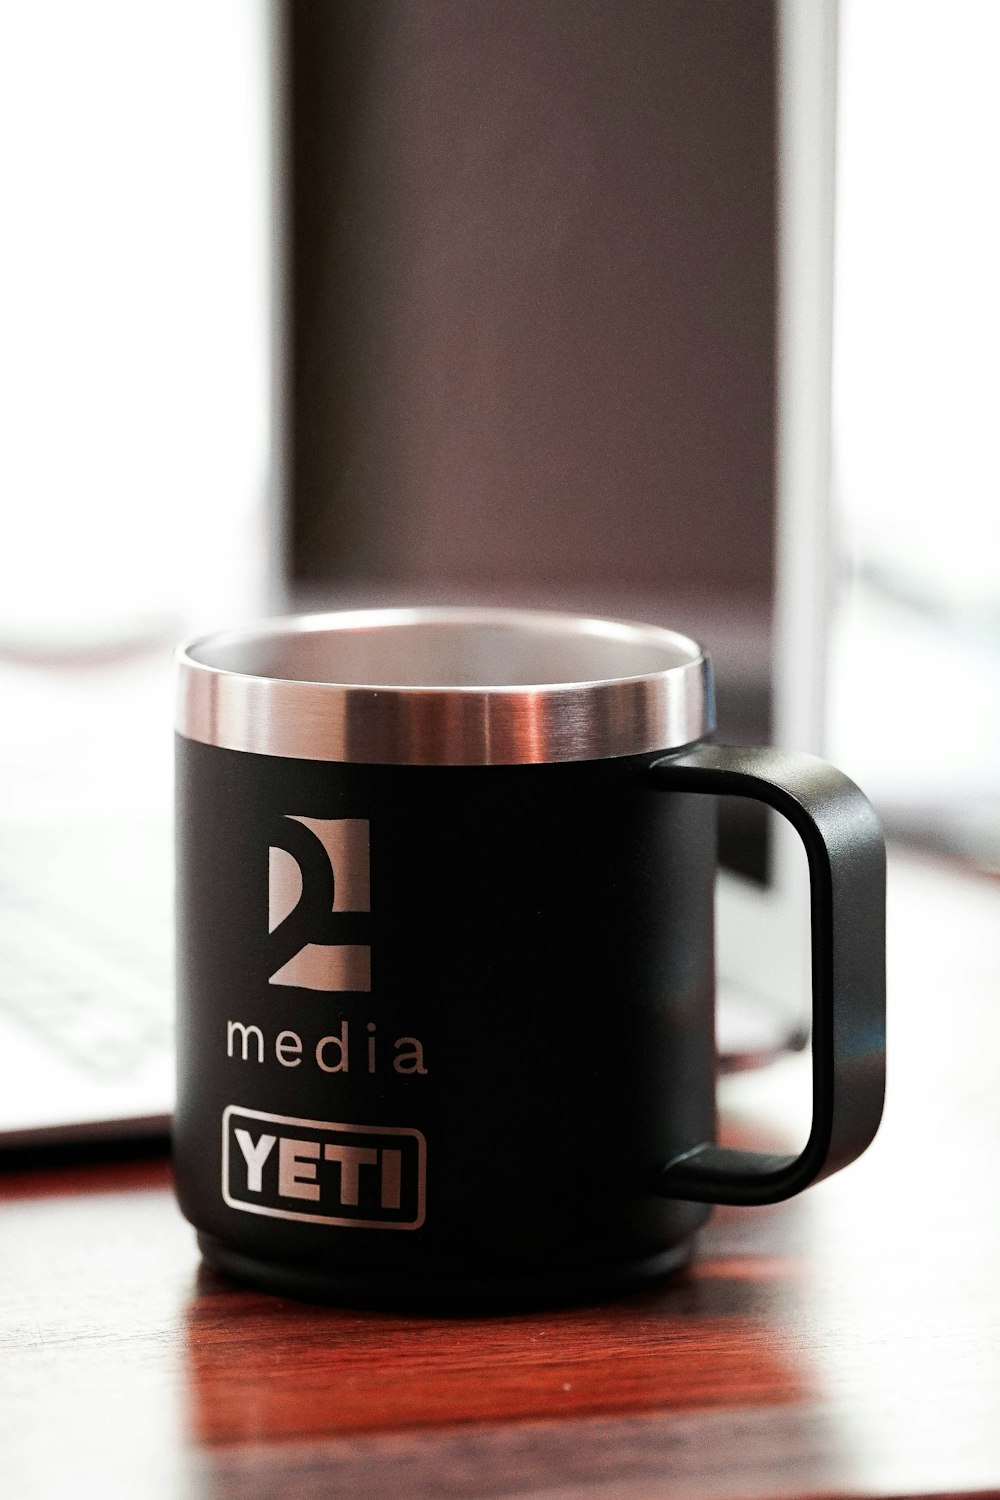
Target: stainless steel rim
[(606, 688)]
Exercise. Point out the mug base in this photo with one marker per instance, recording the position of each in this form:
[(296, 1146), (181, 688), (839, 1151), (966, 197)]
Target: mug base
[(470, 1295)]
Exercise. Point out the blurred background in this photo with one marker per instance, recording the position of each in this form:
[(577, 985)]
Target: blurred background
[(914, 661), (431, 298), (309, 303)]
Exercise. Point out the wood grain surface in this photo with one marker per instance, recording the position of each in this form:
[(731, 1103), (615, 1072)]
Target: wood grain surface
[(845, 1343)]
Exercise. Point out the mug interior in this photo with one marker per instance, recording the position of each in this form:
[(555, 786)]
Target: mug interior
[(455, 649), (445, 687)]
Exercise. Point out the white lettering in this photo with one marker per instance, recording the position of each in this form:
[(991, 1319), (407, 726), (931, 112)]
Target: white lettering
[(351, 1159), (340, 1043), (296, 1172), (411, 1061), (392, 1173), (255, 1156), (288, 1049), (245, 1034)]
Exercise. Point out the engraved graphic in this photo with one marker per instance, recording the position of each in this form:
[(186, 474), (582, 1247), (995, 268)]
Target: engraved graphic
[(321, 1172), (346, 843), (284, 886), (327, 966), (318, 872)]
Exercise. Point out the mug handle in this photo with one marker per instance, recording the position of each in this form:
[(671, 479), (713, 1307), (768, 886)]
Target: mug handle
[(846, 852)]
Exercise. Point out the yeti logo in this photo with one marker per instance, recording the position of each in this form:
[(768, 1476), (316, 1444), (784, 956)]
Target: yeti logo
[(355, 1176), (317, 886)]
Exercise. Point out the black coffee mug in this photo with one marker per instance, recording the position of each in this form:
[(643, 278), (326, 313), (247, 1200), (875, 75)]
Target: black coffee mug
[(445, 956)]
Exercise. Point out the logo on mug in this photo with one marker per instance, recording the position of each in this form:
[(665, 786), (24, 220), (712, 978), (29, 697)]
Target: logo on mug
[(354, 1176), (318, 883)]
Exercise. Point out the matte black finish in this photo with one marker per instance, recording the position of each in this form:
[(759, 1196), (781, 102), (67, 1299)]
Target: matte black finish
[(521, 1107), (846, 853), (472, 1292), (544, 932)]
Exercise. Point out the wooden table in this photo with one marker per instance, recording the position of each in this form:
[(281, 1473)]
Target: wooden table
[(845, 1343)]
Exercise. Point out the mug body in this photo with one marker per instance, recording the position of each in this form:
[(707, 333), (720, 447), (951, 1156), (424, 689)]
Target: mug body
[(440, 1022)]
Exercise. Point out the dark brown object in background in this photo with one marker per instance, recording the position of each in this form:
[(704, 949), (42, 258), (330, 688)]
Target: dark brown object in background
[(531, 293)]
